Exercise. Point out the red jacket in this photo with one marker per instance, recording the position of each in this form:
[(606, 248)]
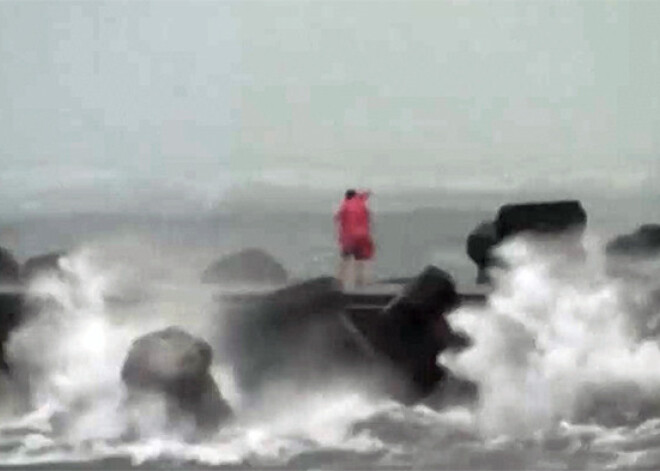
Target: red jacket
[(353, 219)]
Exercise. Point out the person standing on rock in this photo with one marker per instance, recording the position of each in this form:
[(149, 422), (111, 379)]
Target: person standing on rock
[(353, 221)]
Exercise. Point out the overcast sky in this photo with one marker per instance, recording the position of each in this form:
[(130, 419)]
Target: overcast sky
[(182, 105)]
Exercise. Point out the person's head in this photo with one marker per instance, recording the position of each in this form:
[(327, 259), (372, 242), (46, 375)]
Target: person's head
[(350, 194)]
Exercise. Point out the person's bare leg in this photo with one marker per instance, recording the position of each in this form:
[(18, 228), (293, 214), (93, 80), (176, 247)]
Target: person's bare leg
[(342, 271), (360, 272)]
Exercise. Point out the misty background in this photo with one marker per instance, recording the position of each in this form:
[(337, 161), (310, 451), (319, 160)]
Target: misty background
[(197, 109)]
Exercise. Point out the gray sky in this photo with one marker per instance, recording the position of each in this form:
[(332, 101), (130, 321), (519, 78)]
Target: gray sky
[(195, 105)]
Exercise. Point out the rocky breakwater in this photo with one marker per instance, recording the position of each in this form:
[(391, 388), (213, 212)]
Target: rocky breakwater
[(309, 332)]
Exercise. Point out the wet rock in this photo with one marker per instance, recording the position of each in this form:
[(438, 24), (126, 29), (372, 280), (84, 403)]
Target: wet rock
[(545, 218), (41, 264), (417, 327), (249, 267), (564, 221), (305, 333), (452, 391), (429, 294), (292, 332), (634, 259), (175, 365), (480, 243), (412, 330), (644, 242), (10, 300), (9, 267)]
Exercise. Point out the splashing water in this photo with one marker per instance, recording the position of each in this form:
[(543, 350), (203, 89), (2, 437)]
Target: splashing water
[(564, 355), (560, 340), (68, 354), (66, 351)]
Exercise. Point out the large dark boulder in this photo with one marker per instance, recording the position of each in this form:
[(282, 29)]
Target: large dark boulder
[(9, 267), (412, 330), (431, 292), (633, 257), (480, 243), (292, 332), (307, 333), (644, 242), (561, 220), (10, 300), (248, 267), (175, 365), (545, 218), (41, 264)]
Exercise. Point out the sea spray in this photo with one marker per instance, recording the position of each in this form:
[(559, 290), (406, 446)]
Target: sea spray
[(67, 354), (559, 340), (82, 319), (70, 350), (561, 343)]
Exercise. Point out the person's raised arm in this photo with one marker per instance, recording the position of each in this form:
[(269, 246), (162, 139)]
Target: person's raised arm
[(337, 214)]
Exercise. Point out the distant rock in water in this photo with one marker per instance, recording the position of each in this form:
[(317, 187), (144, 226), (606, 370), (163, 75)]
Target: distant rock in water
[(9, 267), (543, 218), (175, 365), (644, 242), (546, 218), (479, 244), (10, 300), (41, 264), (251, 266)]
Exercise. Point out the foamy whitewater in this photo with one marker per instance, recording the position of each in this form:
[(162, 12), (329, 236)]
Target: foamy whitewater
[(565, 354)]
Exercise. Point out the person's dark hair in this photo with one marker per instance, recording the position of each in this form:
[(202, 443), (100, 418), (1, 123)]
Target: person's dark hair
[(350, 194)]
